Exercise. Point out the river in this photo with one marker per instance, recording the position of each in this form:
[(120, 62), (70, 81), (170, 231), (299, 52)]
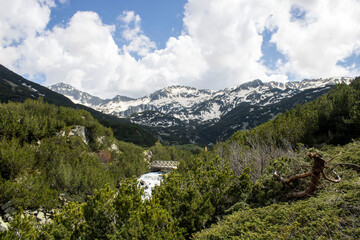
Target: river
[(149, 180)]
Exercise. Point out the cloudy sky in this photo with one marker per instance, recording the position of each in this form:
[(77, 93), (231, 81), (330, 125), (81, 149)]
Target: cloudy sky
[(133, 47)]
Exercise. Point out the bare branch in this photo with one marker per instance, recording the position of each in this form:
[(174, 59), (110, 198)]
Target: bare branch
[(317, 169), (331, 180), (333, 157), (279, 177), (304, 175)]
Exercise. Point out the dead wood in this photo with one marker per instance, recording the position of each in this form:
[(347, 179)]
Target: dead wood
[(316, 172)]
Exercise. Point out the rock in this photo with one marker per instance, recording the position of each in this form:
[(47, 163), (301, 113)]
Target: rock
[(3, 226), (61, 133), (6, 205), (41, 217), (10, 210), (100, 140), (80, 132), (27, 213), (114, 147)]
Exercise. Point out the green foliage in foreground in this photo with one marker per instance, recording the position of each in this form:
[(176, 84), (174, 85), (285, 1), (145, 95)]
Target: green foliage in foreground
[(229, 193), (323, 217), (332, 213), (204, 192), (201, 191), (106, 215)]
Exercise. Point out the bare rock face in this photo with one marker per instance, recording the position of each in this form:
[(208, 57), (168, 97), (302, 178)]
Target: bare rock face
[(79, 131)]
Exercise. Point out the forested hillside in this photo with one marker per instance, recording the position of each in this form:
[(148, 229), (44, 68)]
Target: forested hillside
[(15, 88), (46, 150), (252, 186)]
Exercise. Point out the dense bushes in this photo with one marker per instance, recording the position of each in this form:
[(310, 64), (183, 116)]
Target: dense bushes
[(40, 159), (106, 215), (170, 153), (236, 179), (201, 191), (331, 213), (332, 118)]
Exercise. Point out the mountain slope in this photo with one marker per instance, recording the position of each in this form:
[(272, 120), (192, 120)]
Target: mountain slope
[(190, 104), (15, 88), (274, 147), (184, 114)]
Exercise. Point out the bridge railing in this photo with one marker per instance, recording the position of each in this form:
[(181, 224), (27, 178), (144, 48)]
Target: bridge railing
[(162, 164)]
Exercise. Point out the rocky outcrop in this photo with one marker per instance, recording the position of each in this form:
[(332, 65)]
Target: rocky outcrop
[(79, 131), (76, 130)]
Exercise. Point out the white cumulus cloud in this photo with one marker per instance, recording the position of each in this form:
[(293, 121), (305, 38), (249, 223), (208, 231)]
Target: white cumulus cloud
[(327, 34), (220, 46), (132, 32)]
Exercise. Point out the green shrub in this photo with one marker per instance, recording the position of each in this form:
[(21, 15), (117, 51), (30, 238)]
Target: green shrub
[(30, 192)]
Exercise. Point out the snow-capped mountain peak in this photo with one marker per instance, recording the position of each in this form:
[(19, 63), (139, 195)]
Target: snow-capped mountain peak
[(76, 95), (200, 105)]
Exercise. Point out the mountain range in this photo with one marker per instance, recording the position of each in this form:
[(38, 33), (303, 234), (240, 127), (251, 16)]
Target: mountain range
[(181, 114), (15, 88)]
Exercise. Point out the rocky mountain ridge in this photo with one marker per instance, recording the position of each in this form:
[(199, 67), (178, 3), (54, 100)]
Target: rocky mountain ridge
[(15, 88), (191, 105)]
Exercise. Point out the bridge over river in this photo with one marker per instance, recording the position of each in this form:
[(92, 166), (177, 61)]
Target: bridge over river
[(161, 165)]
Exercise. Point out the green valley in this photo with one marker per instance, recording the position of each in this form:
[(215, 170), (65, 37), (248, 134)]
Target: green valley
[(231, 191)]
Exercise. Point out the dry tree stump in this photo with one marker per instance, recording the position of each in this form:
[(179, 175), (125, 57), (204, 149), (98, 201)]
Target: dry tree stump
[(315, 173)]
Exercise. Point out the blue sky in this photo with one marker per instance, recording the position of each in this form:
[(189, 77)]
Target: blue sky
[(161, 19), (134, 47)]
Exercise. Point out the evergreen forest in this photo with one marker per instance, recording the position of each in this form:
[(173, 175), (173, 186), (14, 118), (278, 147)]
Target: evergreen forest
[(252, 186)]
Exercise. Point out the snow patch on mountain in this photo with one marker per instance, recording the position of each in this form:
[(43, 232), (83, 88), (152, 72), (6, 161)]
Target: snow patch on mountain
[(189, 104)]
